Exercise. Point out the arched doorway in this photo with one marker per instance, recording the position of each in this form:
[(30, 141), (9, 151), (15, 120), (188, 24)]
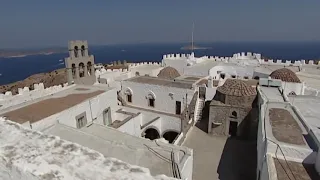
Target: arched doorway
[(81, 70), (170, 136), (151, 134)]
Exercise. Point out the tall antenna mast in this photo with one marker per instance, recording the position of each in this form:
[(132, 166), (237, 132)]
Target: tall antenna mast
[(192, 45)]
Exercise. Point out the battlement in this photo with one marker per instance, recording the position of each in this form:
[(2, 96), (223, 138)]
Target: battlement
[(133, 65), (176, 56), (25, 94), (246, 56)]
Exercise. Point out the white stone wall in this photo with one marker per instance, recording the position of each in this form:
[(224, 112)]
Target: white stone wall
[(93, 109), (25, 95), (163, 102), (210, 93), (289, 87), (179, 64), (237, 71), (163, 124)]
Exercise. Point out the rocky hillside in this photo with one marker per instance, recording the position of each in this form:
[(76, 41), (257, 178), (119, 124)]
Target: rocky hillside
[(55, 77)]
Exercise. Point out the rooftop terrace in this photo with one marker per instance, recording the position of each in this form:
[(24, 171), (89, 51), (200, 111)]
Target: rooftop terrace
[(289, 170), (38, 109), (284, 127)]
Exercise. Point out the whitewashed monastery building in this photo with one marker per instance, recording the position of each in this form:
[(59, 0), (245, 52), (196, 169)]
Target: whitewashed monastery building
[(114, 124)]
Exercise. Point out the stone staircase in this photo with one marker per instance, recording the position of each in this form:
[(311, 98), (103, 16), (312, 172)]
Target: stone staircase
[(198, 111)]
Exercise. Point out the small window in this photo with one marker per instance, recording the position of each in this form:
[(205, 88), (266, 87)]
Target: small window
[(81, 122), (246, 77), (129, 98), (233, 76), (234, 114), (151, 102), (222, 76)]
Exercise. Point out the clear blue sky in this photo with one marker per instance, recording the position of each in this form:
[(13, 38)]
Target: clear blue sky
[(36, 23)]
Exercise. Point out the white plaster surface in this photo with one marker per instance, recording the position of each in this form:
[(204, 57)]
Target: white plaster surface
[(163, 124), (30, 155), (163, 101), (266, 142), (93, 107), (134, 150)]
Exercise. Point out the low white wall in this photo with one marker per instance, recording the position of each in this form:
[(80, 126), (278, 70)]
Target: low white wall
[(132, 127), (228, 70), (163, 102), (289, 87), (187, 169), (210, 93), (25, 95)]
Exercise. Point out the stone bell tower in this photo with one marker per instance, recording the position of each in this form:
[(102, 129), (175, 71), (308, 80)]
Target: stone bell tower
[(79, 64)]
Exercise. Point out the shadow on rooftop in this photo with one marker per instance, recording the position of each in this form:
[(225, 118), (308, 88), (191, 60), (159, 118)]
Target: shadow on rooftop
[(238, 160)]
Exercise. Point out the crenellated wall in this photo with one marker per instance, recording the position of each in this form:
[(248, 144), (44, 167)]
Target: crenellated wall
[(25, 94), (244, 56), (133, 65)]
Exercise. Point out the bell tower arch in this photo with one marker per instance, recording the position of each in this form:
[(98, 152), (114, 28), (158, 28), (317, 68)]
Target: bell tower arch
[(79, 64)]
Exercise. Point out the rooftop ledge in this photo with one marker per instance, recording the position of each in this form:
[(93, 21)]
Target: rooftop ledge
[(32, 155)]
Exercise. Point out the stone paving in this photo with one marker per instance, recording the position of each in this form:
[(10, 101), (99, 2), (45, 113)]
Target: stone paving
[(221, 158)]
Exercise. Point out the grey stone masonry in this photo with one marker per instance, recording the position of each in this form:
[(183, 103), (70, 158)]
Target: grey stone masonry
[(79, 64)]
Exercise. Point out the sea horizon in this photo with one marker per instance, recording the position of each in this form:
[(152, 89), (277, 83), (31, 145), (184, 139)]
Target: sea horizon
[(14, 69)]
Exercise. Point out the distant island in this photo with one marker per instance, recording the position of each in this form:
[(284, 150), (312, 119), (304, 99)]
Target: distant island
[(194, 47), (11, 53)]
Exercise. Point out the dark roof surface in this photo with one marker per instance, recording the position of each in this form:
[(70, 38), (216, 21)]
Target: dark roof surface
[(286, 75), (236, 87)]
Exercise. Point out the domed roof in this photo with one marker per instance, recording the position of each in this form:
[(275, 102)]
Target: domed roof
[(236, 87), (168, 73), (285, 74)]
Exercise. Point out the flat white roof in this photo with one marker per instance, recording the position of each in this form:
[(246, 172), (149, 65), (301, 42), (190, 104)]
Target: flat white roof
[(41, 156), (271, 93), (131, 149), (308, 107)]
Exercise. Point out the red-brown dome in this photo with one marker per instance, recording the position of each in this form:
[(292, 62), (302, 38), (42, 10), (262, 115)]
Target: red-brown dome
[(286, 75)]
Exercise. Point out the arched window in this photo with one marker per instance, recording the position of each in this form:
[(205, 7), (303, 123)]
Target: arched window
[(170, 136), (73, 66), (151, 134), (76, 51), (292, 93), (151, 99), (137, 73), (89, 66), (83, 49), (128, 94), (81, 70), (234, 114), (222, 76)]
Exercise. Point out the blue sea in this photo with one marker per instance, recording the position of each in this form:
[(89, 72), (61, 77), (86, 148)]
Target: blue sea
[(19, 68)]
